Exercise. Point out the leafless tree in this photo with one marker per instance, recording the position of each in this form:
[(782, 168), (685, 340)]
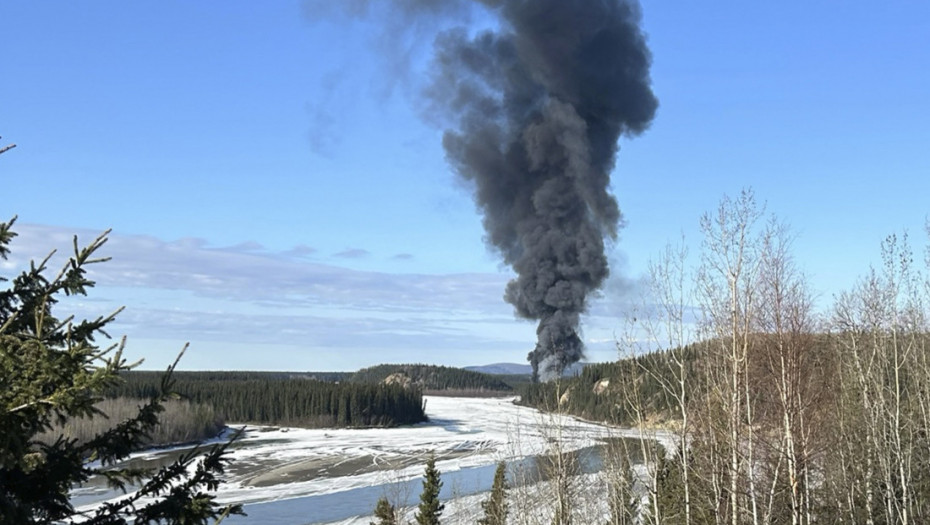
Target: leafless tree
[(659, 324), (881, 334), (727, 284), (792, 376)]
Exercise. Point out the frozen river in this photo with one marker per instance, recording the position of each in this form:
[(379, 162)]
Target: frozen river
[(300, 476)]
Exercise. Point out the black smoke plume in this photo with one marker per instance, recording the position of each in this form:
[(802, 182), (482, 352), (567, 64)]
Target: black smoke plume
[(538, 106)]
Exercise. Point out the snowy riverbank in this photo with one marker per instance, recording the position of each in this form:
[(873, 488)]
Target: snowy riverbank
[(288, 476)]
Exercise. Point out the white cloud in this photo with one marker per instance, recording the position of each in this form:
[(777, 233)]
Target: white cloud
[(186, 290), (264, 278)]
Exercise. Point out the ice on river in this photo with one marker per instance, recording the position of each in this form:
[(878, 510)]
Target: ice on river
[(301, 476)]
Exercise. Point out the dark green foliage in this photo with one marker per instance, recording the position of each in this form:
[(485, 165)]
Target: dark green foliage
[(621, 499), (610, 403), (495, 507), (516, 381), (51, 371), (329, 377), (430, 508), (669, 495), (288, 399), (384, 512), (434, 378)]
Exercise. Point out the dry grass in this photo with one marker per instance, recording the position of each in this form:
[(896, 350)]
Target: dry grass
[(181, 422)]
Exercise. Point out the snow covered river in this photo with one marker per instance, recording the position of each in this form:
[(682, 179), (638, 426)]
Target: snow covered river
[(300, 476)]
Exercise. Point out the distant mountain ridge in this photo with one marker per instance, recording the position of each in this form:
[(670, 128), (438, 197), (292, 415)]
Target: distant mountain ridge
[(501, 369)]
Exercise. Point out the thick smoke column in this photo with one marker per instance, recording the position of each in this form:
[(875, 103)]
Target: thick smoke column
[(538, 108)]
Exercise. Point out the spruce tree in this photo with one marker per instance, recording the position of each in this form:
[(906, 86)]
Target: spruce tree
[(621, 499), (495, 507), (384, 512), (52, 370), (430, 508), (670, 488)]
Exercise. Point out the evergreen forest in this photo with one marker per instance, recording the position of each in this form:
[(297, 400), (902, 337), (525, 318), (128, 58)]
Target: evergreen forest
[(602, 391), (434, 379), (286, 399)]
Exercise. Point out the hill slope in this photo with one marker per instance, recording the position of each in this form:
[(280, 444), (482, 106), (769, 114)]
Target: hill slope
[(432, 378)]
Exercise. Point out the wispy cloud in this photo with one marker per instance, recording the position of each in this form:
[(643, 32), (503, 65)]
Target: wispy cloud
[(352, 253), (301, 250), (248, 273), (189, 290), (248, 246)]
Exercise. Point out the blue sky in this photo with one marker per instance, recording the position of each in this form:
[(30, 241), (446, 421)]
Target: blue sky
[(277, 199)]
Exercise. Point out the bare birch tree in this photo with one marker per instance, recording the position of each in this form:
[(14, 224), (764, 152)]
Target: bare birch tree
[(880, 333), (727, 284), (792, 376)]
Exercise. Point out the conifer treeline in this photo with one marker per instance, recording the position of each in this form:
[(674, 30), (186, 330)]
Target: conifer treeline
[(601, 391), (283, 399), (434, 378)]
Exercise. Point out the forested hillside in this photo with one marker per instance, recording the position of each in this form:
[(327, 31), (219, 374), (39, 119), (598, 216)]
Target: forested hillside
[(281, 399), (779, 414), (607, 391), (432, 379)]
